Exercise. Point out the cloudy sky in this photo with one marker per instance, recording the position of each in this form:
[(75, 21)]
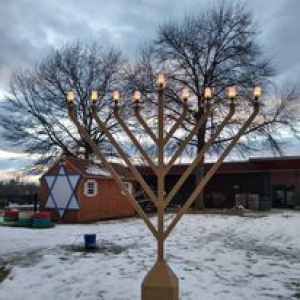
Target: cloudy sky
[(29, 29)]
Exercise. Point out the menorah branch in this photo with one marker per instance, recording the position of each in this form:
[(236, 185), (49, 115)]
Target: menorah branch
[(108, 166), (177, 124), (212, 170), (189, 137), (134, 140), (123, 155), (200, 155), (147, 129)]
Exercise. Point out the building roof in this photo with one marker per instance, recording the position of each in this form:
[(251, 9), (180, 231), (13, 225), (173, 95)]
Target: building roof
[(252, 165), (91, 168), (269, 164)]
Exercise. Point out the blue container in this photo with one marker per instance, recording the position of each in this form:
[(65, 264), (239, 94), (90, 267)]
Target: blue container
[(90, 241)]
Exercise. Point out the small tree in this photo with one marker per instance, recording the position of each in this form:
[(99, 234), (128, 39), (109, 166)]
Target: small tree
[(35, 116)]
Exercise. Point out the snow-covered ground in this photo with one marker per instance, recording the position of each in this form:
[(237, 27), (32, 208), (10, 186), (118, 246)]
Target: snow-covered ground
[(214, 256)]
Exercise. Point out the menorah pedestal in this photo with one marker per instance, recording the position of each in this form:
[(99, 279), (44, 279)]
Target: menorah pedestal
[(160, 283)]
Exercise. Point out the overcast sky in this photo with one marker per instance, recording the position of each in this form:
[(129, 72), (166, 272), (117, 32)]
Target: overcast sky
[(29, 29)]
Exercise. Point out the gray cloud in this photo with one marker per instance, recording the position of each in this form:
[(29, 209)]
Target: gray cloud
[(280, 25), (29, 29)]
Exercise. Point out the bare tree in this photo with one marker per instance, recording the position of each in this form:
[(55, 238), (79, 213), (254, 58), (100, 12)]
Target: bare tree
[(217, 48), (34, 117)]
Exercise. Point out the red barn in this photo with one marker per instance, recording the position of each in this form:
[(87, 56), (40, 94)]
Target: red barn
[(77, 190), (265, 182)]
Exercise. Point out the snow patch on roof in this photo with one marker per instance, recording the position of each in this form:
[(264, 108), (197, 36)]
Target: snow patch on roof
[(96, 170)]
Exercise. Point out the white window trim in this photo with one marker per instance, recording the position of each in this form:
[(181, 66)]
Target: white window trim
[(129, 187), (86, 190)]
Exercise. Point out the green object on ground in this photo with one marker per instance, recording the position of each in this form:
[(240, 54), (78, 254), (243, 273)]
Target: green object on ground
[(41, 223), (10, 219), (25, 222)]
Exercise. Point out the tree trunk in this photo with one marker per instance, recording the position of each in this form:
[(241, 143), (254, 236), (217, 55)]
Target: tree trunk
[(88, 151), (199, 202), (199, 170)]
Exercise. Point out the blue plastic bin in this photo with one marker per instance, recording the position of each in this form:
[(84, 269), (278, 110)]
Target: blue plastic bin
[(90, 241)]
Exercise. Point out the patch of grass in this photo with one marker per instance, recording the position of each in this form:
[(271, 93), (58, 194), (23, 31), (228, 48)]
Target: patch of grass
[(27, 259), (103, 249)]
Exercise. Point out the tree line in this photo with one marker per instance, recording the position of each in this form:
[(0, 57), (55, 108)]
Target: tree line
[(14, 191)]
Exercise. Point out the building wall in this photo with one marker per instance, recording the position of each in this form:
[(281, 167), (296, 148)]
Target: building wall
[(285, 177), (183, 193), (222, 189), (258, 178), (71, 216), (108, 203), (297, 174), (285, 188)]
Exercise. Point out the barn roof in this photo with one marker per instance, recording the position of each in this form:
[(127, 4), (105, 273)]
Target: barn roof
[(91, 168), (252, 165)]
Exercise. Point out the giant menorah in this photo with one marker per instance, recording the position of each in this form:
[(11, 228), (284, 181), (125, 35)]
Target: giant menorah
[(161, 283)]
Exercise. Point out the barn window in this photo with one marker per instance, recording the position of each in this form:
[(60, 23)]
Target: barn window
[(128, 186), (90, 188)]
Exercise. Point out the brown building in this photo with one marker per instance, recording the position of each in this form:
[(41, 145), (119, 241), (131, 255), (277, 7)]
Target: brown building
[(260, 183), (77, 190), (274, 182)]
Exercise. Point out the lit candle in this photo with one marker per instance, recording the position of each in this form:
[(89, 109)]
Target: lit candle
[(137, 96), (257, 92), (160, 79), (70, 97), (116, 96), (207, 93), (94, 97), (231, 92), (185, 94)]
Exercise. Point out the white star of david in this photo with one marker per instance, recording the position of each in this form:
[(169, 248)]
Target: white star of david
[(61, 191)]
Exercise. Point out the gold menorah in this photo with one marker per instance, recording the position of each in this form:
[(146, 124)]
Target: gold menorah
[(161, 283)]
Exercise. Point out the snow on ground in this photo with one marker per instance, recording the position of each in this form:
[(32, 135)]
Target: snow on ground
[(214, 256)]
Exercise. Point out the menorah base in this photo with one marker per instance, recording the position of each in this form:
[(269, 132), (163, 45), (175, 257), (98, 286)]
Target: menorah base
[(160, 283)]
